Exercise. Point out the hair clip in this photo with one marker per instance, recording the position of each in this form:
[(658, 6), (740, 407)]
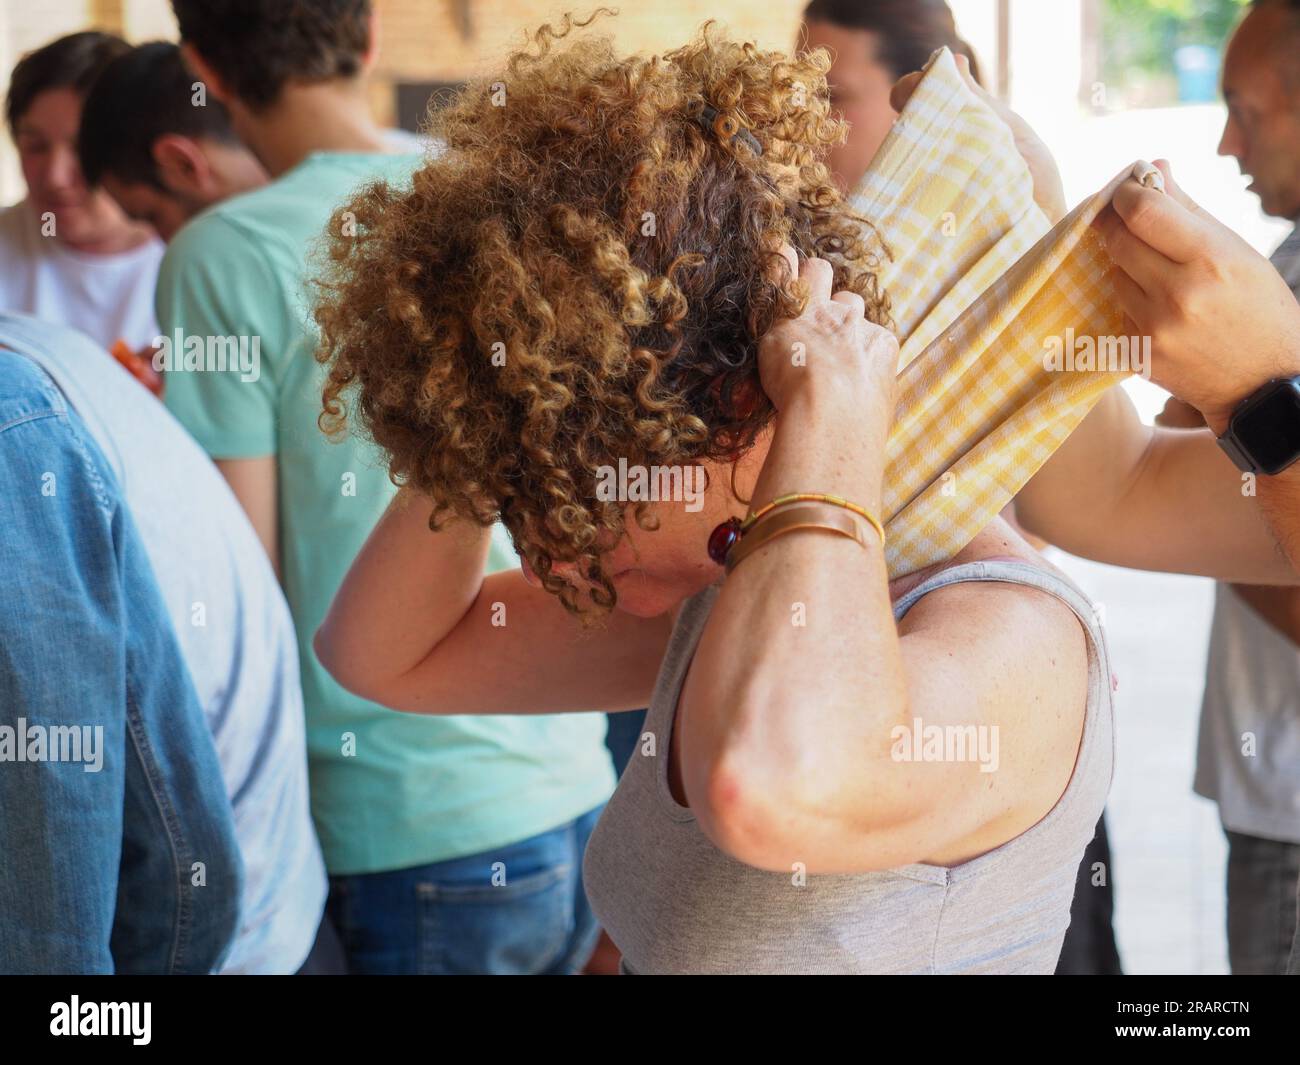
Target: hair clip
[(708, 118)]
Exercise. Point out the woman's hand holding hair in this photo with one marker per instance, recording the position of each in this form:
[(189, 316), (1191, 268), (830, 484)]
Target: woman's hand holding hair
[(831, 373), (830, 347)]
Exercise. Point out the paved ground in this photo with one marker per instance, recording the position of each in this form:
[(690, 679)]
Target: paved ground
[(1167, 848)]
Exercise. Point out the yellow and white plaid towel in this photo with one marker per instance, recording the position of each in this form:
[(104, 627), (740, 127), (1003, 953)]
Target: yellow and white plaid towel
[(1002, 323)]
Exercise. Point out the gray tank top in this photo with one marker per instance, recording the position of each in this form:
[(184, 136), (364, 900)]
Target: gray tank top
[(673, 903)]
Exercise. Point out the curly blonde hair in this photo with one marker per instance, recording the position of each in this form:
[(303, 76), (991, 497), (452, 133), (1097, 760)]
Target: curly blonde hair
[(583, 275)]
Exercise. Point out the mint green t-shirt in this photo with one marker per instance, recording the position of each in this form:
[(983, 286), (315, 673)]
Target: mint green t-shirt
[(388, 790)]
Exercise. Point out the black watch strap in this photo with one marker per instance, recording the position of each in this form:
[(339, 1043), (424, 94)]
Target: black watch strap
[(1240, 459), (1240, 440)]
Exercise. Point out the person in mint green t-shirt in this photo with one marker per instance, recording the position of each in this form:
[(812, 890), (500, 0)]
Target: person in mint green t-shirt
[(417, 817)]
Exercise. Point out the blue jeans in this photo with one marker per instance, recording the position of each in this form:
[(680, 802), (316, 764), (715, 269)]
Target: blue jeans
[(623, 736), (518, 909), (117, 853)]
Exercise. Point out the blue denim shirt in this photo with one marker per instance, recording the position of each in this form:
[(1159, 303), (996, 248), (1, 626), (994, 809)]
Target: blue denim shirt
[(233, 627), (117, 843)]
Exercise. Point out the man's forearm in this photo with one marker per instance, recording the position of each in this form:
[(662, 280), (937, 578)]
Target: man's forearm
[(1124, 493), (1279, 501)]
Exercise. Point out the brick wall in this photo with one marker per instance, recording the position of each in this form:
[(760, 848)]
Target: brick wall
[(450, 40), (421, 40), (455, 38)]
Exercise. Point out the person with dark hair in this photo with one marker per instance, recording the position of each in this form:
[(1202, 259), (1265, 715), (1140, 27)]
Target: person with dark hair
[(67, 252), (873, 43), (152, 138), (453, 845)]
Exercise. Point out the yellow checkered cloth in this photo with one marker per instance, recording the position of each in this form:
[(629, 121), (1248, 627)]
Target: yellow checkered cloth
[(984, 298)]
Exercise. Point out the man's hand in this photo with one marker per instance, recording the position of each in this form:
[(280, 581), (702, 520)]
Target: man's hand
[(1222, 321)]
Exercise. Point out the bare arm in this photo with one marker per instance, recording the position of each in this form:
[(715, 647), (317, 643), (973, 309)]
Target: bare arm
[(1279, 499), (416, 626), (1222, 321), (1121, 492), (256, 486), (787, 729)]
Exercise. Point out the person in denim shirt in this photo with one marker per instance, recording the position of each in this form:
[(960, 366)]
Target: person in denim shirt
[(235, 635), (123, 857)]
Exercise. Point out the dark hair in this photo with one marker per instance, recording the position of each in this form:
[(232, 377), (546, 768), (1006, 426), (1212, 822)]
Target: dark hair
[(259, 45), (71, 62), (137, 98), (909, 30)]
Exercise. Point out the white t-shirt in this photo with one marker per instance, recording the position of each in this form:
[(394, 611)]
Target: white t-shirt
[(107, 297)]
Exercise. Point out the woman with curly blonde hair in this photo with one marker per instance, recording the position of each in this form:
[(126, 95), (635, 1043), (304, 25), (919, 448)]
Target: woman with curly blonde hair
[(627, 314)]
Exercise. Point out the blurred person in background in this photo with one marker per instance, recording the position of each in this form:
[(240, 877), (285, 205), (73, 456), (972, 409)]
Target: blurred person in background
[(417, 818), (872, 44), (120, 855), (68, 254), (1248, 756), (236, 638), (152, 139)]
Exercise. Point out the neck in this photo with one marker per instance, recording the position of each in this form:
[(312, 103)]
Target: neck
[(328, 117), (744, 478)]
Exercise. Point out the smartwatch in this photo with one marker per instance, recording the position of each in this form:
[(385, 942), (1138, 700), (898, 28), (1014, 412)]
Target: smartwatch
[(1263, 434)]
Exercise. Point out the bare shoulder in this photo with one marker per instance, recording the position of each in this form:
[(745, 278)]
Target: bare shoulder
[(1011, 657), (1003, 616)]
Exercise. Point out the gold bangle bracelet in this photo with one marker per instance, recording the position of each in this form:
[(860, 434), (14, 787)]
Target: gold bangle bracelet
[(789, 519), (813, 497)]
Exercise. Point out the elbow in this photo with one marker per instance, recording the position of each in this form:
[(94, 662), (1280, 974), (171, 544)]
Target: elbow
[(320, 643), (761, 816), (743, 818), (792, 815), (341, 666), (353, 670), (328, 653)]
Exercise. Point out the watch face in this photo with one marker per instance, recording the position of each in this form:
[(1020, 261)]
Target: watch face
[(1270, 429)]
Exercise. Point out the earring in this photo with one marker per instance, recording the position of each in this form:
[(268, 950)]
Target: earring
[(722, 539)]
